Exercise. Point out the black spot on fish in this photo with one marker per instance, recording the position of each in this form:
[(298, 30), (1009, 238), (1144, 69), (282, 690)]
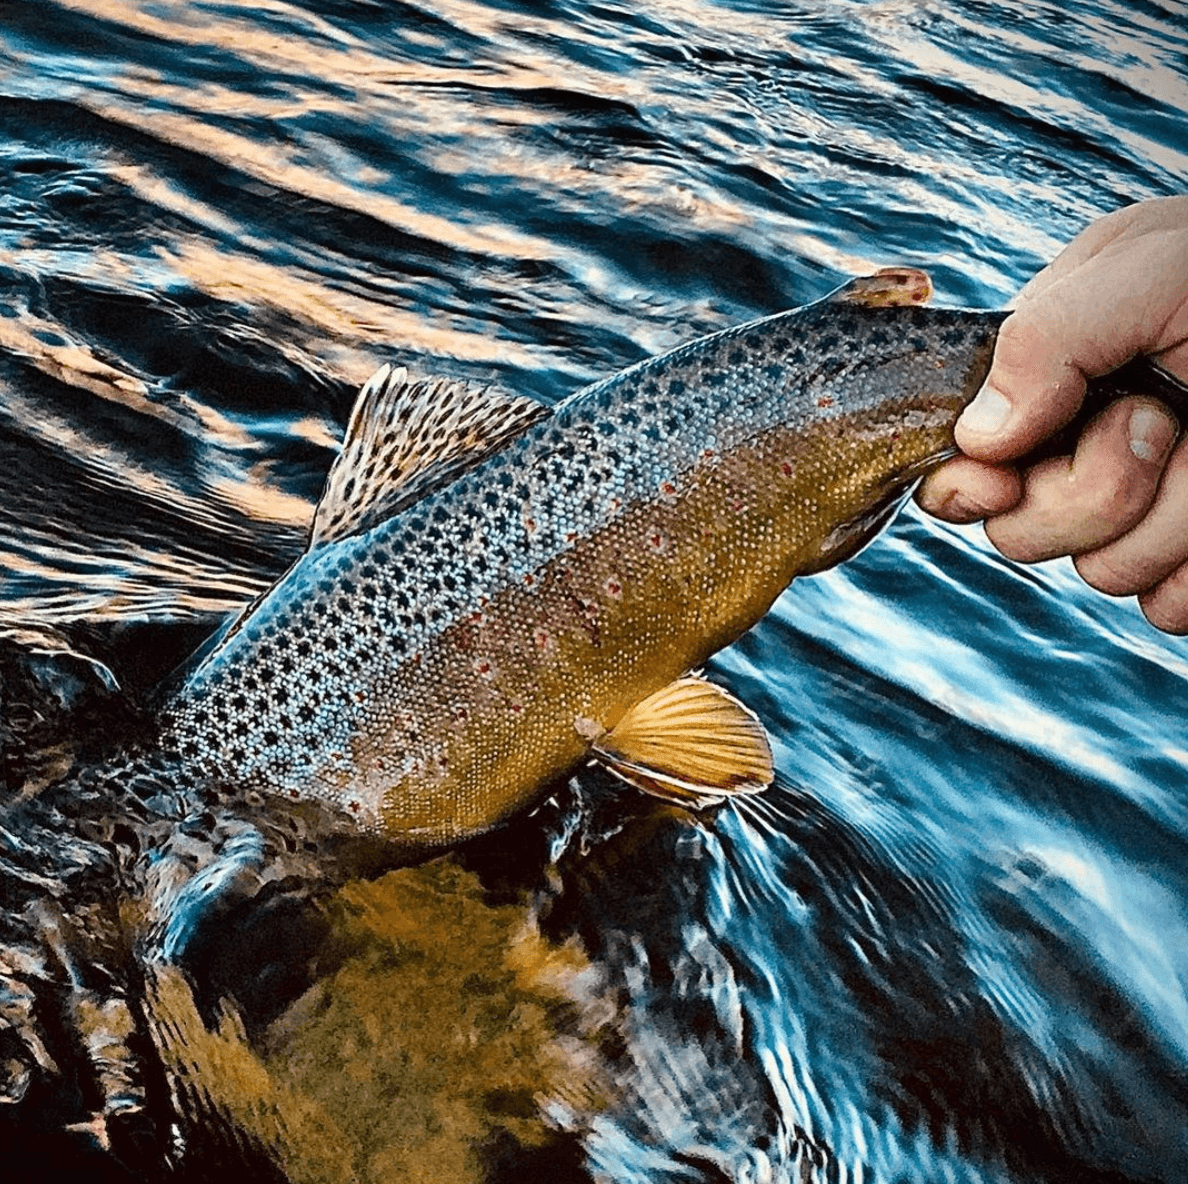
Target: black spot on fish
[(676, 388)]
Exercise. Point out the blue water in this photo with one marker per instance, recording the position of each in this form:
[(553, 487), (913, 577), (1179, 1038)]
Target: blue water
[(952, 945)]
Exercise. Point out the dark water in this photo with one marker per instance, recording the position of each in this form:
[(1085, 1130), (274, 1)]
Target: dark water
[(953, 944)]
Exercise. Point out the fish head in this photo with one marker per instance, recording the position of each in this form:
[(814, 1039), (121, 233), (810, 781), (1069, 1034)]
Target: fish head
[(852, 405)]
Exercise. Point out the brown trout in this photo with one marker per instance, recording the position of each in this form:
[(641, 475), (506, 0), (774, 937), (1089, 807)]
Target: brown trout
[(495, 592)]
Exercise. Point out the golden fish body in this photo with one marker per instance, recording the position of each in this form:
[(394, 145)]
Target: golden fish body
[(439, 656)]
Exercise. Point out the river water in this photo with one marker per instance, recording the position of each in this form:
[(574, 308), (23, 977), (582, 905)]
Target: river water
[(952, 943)]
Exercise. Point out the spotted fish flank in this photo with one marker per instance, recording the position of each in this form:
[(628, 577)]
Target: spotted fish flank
[(424, 667)]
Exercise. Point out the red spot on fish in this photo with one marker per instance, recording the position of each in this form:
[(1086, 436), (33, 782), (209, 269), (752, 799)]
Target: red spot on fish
[(738, 506), (360, 696), (824, 401), (657, 541), (476, 618), (706, 453), (294, 794), (482, 666), (919, 295), (613, 588), (517, 707), (571, 536), (355, 806), (786, 469), (541, 637), (461, 712), (530, 523), (529, 580), (667, 488)]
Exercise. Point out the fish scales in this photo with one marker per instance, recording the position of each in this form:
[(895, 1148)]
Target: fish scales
[(428, 676)]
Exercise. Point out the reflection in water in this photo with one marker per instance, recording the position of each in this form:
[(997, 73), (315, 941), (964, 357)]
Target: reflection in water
[(958, 950), (427, 1051)]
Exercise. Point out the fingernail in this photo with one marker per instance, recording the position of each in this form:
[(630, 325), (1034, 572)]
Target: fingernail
[(987, 413), (1151, 433)]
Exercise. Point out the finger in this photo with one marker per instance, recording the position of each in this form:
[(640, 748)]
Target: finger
[(1154, 548), (1125, 223), (1073, 506), (1117, 304), (965, 490), (1166, 605)]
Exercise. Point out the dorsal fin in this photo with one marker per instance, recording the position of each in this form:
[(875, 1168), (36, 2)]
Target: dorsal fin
[(691, 742), (887, 288), (407, 438)]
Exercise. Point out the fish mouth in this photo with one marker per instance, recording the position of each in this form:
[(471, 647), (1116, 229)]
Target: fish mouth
[(851, 537)]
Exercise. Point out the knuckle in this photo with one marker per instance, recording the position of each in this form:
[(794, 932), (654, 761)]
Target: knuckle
[(1167, 618), (1118, 497), (1021, 545), (1166, 605), (1107, 574)]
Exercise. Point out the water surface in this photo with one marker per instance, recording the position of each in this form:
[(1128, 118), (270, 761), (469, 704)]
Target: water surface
[(953, 943)]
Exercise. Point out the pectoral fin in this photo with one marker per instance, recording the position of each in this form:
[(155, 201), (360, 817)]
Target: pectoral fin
[(406, 438), (888, 288), (690, 742)]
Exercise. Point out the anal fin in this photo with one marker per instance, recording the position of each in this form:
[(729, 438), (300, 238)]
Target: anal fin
[(691, 742)]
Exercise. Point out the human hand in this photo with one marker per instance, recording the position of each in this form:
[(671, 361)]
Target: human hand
[(1119, 505)]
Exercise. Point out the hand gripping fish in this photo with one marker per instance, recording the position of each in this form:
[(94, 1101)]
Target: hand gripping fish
[(493, 593)]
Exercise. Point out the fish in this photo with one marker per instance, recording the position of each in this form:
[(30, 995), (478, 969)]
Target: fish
[(494, 592)]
